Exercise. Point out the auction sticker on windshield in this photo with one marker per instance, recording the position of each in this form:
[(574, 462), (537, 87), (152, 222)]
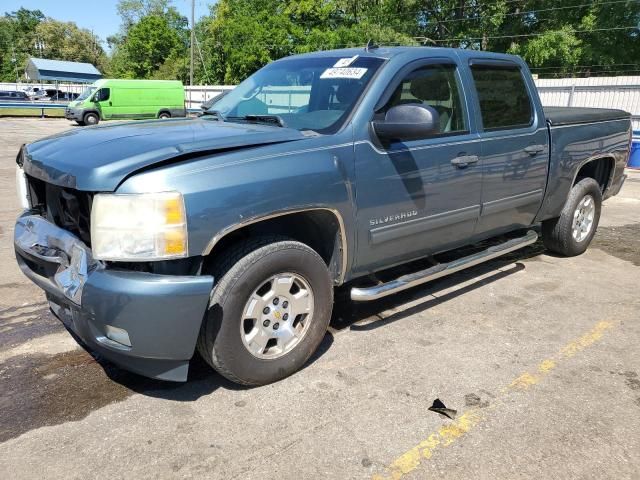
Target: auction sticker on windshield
[(353, 72), (345, 62)]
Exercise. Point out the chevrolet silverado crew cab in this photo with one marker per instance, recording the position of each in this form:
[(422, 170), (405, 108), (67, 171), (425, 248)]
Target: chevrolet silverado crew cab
[(227, 233)]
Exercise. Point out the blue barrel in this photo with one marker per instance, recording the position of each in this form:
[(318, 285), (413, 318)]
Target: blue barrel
[(634, 157)]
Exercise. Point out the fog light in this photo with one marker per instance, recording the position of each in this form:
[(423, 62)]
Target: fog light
[(118, 335)]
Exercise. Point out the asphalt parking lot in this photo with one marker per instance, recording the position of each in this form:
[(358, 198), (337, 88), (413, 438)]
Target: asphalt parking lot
[(538, 354)]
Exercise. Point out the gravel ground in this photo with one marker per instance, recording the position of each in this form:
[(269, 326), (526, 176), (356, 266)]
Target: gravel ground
[(538, 354)]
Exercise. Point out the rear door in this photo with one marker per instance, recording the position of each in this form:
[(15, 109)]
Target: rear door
[(414, 197), (514, 145)]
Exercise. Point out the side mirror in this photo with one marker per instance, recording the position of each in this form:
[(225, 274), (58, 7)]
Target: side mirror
[(407, 122)]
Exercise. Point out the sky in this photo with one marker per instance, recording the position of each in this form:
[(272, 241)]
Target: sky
[(100, 16)]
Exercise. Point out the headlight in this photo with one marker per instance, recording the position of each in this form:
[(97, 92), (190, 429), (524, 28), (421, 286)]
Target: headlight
[(147, 226), (21, 188)]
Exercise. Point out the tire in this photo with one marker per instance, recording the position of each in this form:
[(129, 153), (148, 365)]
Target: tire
[(224, 337), (563, 235), (164, 115), (91, 118)]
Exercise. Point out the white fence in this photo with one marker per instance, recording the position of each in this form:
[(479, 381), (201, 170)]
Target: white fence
[(65, 87), (602, 92), (597, 92), (194, 96), (198, 94)]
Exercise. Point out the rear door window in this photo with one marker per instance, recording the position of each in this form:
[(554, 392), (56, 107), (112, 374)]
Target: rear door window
[(503, 96)]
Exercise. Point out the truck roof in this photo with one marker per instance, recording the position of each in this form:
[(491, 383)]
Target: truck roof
[(137, 83), (417, 51)]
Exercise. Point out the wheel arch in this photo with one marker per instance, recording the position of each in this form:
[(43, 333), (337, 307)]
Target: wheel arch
[(320, 228), (163, 110), (599, 167)]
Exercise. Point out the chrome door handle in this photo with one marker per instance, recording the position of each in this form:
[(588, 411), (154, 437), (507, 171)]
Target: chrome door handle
[(464, 161), (534, 149)]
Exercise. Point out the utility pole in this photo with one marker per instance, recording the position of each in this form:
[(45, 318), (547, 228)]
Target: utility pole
[(193, 35)]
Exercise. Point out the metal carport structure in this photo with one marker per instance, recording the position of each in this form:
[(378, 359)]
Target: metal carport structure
[(41, 69)]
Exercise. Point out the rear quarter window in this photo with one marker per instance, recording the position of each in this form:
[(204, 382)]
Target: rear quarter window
[(503, 96)]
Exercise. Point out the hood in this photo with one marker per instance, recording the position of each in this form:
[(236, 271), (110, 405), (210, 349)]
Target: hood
[(100, 158)]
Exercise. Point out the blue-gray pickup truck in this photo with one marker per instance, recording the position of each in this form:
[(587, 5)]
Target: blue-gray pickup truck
[(228, 233)]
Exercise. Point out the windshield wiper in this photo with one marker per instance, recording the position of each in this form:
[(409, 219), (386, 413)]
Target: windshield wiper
[(214, 113), (266, 119)]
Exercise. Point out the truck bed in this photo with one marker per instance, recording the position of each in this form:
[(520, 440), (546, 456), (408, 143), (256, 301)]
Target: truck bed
[(575, 115)]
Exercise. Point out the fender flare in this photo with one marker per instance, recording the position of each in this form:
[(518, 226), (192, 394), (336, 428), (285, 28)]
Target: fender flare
[(259, 218)]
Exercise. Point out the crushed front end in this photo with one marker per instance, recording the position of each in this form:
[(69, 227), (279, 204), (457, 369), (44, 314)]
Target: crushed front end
[(144, 321)]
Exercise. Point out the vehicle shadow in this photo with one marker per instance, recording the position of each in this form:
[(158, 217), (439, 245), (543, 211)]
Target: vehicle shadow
[(202, 380), (346, 315), (365, 316)]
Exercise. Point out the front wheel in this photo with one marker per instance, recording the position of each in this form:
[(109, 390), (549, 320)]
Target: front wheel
[(269, 311), (91, 119), (164, 115), (571, 233)]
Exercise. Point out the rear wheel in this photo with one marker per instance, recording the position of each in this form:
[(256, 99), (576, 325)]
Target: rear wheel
[(571, 233), (91, 118), (269, 311), (164, 115)]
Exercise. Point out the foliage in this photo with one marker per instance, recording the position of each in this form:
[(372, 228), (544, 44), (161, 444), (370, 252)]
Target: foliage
[(64, 40), (148, 44), (555, 37), (237, 37), (27, 33), (243, 35), (153, 41)]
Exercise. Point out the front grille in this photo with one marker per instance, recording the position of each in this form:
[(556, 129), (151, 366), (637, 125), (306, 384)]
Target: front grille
[(67, 208)]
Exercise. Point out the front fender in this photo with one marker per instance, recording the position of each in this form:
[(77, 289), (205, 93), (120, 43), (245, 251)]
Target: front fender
[(226, 191)]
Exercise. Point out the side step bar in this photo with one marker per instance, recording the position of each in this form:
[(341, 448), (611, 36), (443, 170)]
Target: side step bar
[(442, 270)]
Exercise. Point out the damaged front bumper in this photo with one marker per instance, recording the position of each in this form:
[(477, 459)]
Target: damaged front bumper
[(144, 322), (73, 114)]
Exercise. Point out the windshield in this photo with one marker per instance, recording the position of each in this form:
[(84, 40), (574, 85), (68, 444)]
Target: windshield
[(307, 94), (84, 95)]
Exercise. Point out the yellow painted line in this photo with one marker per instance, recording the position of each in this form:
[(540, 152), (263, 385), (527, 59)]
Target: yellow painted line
[(448, 434), (587, 339)]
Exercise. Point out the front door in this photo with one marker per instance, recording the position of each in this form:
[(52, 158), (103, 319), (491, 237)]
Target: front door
[(416, 197), (104, 103)]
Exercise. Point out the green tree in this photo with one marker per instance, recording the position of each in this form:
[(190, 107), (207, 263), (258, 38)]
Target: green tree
[(243, 35), (17, 41), (65, 41), (152, 42), (148, 44), (240, 36), (132, 11)]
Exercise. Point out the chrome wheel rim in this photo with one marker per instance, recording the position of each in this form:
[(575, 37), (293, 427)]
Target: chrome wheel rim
[(277, 315), (583, 218)]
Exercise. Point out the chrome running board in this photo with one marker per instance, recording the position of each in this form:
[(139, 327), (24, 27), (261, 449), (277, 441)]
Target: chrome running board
[(441, 270)]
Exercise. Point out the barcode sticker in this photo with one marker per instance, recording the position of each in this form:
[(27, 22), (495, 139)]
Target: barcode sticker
[(355, 73), (345, 62)]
